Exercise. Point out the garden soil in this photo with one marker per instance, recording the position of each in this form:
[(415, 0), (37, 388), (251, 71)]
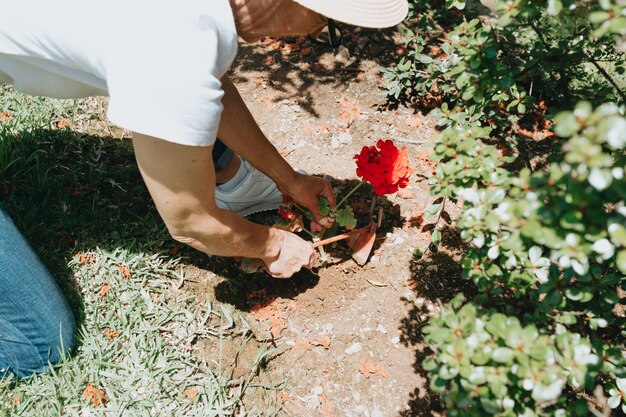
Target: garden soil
[(341, 340)]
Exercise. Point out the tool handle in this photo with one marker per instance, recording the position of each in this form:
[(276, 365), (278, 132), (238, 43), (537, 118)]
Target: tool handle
[(342, 236)]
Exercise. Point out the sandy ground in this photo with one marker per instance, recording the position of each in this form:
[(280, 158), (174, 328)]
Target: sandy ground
[(346, 337)]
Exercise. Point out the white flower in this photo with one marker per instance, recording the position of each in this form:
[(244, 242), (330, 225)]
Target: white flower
[(502, 211), (618, 173), (470, 195), (540, 265), (616, 136), (547, 393), (528, 384), (599, 179), (604, 248), (511, 263), (493, 252), (479, 324), (507, 403), (477, 376), (479, 240), (571, 239), (622, 210), (542, 275), (617, 394), (565, 261), (472, 341), (584, 356), (579, 268)]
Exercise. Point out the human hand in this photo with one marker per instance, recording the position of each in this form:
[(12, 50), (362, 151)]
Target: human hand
[(294, 253), (304, 190)]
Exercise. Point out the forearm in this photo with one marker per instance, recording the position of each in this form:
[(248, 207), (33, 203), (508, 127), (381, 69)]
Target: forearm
[(181, 181), (223, 233), (240, 132)]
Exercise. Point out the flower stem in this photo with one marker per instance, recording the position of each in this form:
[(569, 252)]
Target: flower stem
[(321, 250), (348, 195)]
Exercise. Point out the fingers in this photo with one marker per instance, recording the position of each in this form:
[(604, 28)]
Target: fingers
[(295, 253), (312, 260), (328, 193)]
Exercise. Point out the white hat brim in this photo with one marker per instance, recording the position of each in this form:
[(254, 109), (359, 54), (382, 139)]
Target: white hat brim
[(366, 13)]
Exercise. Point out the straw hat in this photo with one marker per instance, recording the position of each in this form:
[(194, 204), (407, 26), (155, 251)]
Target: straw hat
[(367, 13)]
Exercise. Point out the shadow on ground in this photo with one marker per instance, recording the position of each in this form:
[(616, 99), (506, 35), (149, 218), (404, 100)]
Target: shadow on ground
[(67, 193), (435, 279), (293, 65), (237, 284)]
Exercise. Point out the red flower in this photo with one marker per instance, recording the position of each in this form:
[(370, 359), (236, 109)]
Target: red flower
[(286, 214), (384, 166)]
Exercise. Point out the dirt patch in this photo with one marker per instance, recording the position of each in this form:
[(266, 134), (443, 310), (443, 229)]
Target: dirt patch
[(345, 338)]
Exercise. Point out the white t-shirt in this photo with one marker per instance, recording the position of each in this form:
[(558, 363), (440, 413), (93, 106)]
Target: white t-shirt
[(159, 62)]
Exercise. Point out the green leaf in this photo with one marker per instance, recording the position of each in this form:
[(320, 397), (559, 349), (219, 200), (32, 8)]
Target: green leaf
[(432, 210), (436, 237), (323, 205), (566, 124), (621, 261), (503, 355), (345, 218)]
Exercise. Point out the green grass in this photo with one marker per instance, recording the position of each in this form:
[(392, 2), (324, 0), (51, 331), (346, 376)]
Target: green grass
[(73, 193)]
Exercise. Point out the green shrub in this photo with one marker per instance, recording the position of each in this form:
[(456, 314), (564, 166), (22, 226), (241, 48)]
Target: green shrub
[(547, 241)]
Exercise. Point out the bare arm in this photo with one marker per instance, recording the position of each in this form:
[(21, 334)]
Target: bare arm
[(181, 181), (240, 132)]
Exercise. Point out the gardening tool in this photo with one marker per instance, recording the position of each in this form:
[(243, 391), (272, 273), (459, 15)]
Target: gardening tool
[(360, 241)]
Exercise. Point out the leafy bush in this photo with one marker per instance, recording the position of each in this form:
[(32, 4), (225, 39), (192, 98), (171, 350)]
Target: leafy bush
[(547, 234)]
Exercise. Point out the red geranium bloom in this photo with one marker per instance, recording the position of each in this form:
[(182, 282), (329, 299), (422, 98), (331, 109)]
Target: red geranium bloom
[(384, 166)]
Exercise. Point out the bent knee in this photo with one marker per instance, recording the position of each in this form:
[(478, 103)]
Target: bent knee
[(31, 348)]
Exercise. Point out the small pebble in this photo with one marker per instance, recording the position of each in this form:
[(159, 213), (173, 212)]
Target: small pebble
[(353, 349), (381, 329), (395, 340)]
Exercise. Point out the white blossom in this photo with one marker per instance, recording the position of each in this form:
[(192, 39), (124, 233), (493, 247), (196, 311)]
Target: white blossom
[(599, 179), (479, 240), (502, 211), (616, 136), (540, 265), (469, 194), (578, 267), (604, 248), (493, 252)]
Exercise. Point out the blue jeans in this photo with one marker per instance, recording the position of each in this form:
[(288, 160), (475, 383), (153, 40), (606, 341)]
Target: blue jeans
[(221, 155), (36, 324)]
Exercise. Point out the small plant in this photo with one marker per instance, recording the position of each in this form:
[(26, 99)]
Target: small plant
[(384, 166)]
